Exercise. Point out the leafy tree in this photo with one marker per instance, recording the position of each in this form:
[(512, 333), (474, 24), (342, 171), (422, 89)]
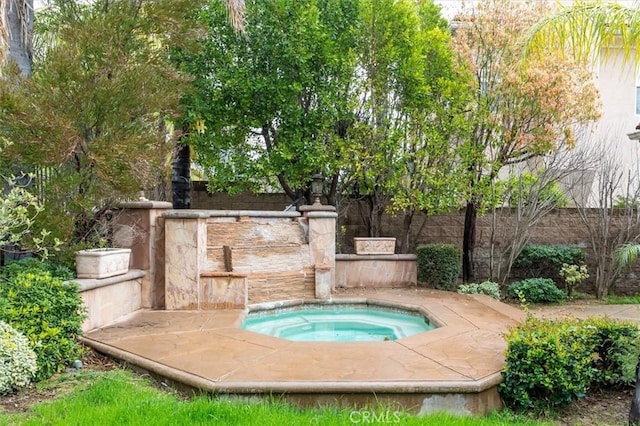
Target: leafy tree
[(366, 92), (412, 99), (272, 103), (522, 110), (181, 170), (90, 115)]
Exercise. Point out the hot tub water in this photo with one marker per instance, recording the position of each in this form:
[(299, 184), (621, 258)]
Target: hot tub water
[(337, 323)]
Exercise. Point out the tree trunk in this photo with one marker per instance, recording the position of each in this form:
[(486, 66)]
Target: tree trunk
[(181, 178), (469, 242), (19, 15), (634, 413), (406, 243), (19, 33)]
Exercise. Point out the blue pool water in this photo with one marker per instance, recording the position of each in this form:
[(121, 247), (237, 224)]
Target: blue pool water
[(337, 323)]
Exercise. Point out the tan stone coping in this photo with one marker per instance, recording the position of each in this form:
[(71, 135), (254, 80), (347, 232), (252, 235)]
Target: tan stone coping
[(210, 351), (148, 204), (200, 214), (319, 214), (314, 208), (86, 284), (313, 387), (351, 257)]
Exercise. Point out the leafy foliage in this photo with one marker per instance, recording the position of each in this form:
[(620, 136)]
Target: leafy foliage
[(366, 92), (617, 351), (489, 288), (546, 260), (516, 190), (91, 116), (438, 265), (521, 110), (573, 275), (536, 290), (271, 104), (18, 211), (48, 312), (550, 363), (17, 359), (403, 151), (35, 266)]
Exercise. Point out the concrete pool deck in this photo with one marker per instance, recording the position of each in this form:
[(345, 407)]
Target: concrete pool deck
[(455, 367)]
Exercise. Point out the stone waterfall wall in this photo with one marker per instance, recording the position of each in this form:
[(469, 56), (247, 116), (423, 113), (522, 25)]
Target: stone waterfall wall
[(272, 252), (226, 259)]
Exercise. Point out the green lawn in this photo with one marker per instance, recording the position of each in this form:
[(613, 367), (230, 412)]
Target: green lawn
[(119, 397), (622, 300)]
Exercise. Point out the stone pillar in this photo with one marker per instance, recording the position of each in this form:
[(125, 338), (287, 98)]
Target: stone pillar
[(185, 255), (140, 227), (322, 244)]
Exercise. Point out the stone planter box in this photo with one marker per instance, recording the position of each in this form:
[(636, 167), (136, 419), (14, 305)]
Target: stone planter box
[(102, 263), (371, 245)]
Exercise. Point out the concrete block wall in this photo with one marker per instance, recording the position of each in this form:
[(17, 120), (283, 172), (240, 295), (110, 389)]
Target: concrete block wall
[(562, 226)]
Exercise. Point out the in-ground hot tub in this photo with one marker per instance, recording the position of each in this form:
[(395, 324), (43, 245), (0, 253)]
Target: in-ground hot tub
[(337, 322)]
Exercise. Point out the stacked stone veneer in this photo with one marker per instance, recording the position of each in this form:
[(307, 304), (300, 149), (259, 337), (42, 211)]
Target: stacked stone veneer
[(226, 259), (271, 252)]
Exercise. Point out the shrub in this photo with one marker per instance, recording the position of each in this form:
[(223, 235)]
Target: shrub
[(487, 287), (536, 290), (439, 265), (546, 260), (17, 359), (573, 275), (548, 363), (552, 362), (617, 349), (18, 211), (48, 312), (34, 265)]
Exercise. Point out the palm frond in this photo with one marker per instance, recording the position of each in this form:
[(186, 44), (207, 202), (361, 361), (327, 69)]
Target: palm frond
[(587, 28), (627, 254)]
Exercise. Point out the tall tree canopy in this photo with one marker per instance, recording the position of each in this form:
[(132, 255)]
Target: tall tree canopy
[(272, 102), (90, 116), (410, 116), (366, 92), (522, 110)]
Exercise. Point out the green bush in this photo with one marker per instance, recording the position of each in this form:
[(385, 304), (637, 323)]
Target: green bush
[(618, 348), (487, 287), (17, 359), (536, 290), (439, 265), (547, 363), (35, 265), (546, 260), (48, 312)]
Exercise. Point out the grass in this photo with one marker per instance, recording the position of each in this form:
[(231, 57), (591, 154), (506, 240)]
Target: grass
[(622, 300), (122, 398)]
